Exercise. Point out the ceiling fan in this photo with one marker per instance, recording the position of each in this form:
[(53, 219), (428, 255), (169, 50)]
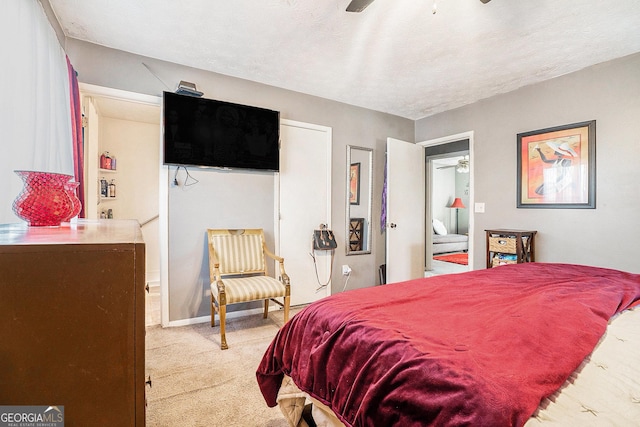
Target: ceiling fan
[(461, 167), (360, 5)]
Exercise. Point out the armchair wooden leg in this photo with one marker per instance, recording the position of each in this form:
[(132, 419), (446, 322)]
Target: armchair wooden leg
[(213, 312), (286, 308), (223, 337), (266, 308)]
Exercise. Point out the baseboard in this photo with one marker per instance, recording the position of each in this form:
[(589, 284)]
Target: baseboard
[(205, 319), (153, 276)]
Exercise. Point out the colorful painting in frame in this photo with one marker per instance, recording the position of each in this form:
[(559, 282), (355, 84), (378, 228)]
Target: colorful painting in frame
[(556, 167), (354, 184)]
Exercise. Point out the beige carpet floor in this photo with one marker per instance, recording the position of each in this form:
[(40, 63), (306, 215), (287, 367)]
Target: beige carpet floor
[(194, 383)]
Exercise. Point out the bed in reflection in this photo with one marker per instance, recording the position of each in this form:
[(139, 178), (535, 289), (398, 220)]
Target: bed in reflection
[(549, 344)]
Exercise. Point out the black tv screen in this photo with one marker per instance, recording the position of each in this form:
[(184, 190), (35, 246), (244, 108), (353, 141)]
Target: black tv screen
[(206, 132)]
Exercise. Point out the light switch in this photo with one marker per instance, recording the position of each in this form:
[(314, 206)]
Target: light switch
[(479, 208)]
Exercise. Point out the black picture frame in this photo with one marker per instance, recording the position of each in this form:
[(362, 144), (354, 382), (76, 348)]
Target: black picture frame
[(556, 167)]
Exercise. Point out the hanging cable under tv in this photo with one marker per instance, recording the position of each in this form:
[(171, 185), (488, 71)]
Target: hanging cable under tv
[(188, 88)]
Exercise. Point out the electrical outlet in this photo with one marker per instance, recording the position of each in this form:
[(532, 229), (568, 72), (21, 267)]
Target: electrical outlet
[(346, 270)]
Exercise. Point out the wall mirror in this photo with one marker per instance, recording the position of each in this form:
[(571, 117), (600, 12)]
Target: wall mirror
[(359, 194)]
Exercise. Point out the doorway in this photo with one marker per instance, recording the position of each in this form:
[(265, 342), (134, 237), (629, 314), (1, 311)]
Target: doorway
[(449, 201), (449, 197), (127, 125)]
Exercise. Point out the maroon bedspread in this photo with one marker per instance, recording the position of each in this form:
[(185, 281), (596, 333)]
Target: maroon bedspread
[(478, 349)]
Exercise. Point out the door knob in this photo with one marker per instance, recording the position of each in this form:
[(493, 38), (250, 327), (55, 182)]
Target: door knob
[(392, 225)]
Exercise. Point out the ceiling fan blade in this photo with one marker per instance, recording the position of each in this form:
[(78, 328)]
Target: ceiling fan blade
[(447, 167), (485, 1), (358, 5)]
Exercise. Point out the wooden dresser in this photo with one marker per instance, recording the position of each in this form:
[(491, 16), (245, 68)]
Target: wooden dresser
[(72, 321)]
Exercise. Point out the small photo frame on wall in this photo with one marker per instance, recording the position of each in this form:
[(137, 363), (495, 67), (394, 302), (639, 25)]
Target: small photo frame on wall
[(354, 184), (556, 167)]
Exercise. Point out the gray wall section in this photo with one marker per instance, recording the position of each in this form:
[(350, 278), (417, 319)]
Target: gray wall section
[(225, 199), (608, 93)]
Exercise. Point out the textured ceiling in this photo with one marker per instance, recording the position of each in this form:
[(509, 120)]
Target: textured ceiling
[(126, 110), (396, 56)]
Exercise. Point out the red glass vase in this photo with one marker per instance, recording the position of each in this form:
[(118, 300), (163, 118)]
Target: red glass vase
[(44, 201), (71, 189)]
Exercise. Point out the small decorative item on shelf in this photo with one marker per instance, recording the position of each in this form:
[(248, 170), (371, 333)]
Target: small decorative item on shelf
[(107, 161), (104, 188), (71, 188), (44, 200), (107, 188)]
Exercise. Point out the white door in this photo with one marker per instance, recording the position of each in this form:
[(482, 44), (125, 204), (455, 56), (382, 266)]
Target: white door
[(405, 211), (304, 196)]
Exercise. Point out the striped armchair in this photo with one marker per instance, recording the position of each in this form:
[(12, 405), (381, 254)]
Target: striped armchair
[(237, 269)]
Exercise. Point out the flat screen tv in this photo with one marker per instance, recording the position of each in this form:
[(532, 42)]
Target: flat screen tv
[(206, 132)]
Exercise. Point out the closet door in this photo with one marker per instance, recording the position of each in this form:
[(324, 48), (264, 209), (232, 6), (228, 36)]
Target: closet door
[(304, 202)]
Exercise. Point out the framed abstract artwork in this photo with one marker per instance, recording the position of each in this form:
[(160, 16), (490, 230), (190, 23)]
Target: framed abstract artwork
[(556, 167)]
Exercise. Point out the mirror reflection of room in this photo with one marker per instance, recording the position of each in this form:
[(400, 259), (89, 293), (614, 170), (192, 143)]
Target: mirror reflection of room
[(359, 174)]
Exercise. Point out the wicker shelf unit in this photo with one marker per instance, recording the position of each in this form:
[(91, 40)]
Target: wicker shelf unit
[(506, 246)]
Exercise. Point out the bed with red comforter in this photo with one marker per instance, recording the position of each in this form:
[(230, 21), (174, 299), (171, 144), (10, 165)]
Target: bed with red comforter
[(481, 348)]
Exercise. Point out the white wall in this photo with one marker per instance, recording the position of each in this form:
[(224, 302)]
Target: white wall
[(610, 94), (136, 148), (442, 196), (447, 185)]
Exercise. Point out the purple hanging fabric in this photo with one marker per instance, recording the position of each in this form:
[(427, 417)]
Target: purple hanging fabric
[(383, 212)]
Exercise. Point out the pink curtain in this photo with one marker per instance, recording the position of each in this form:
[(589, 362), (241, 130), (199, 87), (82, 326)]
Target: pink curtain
[(77, 134)]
